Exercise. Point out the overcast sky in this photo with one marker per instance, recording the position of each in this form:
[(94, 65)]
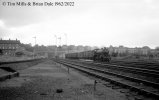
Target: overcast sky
[(132, 23)]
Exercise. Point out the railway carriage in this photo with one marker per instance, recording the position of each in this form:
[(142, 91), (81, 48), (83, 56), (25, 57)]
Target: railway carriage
[(72, 56), (96, 55), (80, 55)]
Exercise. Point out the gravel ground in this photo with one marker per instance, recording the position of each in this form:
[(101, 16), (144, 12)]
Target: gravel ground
[(50, 81)]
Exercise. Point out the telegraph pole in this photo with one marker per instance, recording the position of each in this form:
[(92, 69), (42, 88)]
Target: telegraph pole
[(55, 39), (65, 38), (59, 41), (66, 42), (56, 45), (34, 47)]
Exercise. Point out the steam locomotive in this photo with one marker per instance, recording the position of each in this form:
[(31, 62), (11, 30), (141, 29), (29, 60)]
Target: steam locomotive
[(96, 55)]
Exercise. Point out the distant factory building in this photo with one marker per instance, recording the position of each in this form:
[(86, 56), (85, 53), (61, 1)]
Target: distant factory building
[(8, 47)]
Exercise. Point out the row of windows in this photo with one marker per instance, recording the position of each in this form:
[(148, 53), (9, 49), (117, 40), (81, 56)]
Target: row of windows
[(8, 53), (9, 47)]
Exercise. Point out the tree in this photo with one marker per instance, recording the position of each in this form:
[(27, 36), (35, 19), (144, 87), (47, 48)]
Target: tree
[(157, 48), (146, 47), (27, 47), (19, 53), (114, 54)]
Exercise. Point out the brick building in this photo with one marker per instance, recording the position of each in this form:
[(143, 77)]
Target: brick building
[(8, 47)]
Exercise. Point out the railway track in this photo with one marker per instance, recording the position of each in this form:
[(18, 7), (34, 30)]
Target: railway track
[(139, 64), (129, 71), (147, 88), (140, 71), (152, 65)]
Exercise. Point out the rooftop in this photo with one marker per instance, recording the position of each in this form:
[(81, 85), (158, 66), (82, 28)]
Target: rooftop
[(9, 41)]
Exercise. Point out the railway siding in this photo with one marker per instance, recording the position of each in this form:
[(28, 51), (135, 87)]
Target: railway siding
[(140, 88), (142, 73)]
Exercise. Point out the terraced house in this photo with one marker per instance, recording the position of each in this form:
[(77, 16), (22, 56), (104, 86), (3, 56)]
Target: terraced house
[(8, 47)]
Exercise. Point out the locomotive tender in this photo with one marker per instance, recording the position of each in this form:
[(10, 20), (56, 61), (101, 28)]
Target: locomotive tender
[(96, 55)]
